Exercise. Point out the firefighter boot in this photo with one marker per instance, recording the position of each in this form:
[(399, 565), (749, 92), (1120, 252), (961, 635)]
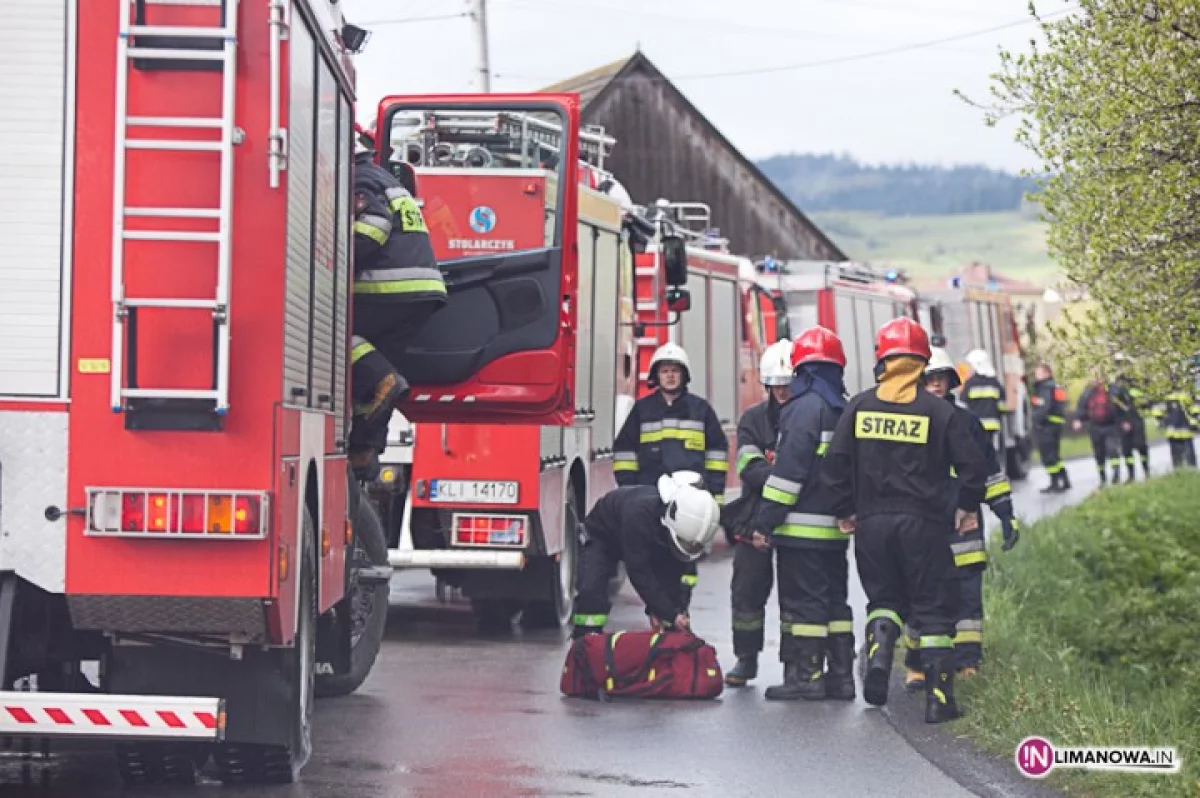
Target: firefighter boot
[(388, 391), (802, 677), (745, 670), (1065, 479), (839, 660), (881, 648), (939, 686)]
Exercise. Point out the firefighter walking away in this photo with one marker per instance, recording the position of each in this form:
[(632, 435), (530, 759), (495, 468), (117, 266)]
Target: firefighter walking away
[(397, 287), (658, 531), (1131, 400), (1049, 417), (1179, 418), (888, 476), (970, 549), (796, 512), (1105, 424), (753, 576), (671, 430), (983, 395)]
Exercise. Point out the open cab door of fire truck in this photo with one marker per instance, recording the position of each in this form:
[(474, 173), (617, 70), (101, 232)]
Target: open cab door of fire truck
[(503, 349)]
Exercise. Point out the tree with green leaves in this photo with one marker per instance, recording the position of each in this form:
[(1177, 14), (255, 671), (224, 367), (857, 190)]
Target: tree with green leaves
[(1110, 102)]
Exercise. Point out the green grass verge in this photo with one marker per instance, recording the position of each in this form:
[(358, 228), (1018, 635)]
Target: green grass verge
[(1092, 636), (1013, 242)]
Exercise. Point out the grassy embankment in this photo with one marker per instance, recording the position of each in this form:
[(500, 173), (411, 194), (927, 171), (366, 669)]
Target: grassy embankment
[(1091, 625)]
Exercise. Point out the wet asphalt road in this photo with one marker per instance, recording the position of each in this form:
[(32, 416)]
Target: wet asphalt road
[(449, 711)]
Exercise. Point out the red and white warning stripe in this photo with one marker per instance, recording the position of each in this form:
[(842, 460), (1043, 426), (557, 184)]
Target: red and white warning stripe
[(143, 717)]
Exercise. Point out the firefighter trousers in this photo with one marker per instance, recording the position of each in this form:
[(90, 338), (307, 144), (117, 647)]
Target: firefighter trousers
[(908, 574), (1183, 452), (1049, 440), (813, 596), (383, 333), (1106, 449), (749, 590), (598, 565), (968, 637)]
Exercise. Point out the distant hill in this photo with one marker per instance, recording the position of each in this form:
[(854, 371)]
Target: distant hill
[(840, 183)]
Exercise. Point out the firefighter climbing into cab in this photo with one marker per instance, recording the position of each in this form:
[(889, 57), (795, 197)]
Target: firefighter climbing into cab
[(1049, 416), (397, 287), (753, 577), (671, 430), (970, 549), (887, 473), (658, 531), (796, 518), (983, 395)]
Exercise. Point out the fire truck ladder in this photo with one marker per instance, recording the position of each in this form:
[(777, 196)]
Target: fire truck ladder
[(174, 48)]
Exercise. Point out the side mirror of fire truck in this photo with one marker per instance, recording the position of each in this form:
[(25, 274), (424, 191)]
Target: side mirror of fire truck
[(678, 301), (674, 252)]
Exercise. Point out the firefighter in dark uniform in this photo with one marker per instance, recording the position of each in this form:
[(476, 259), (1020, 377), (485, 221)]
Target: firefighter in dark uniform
[(397, 287), (753, 577), (888, 475), (1179, 418), (969, 550), (816, 625), (1049, 416), (983, 395), (658, 531), (671, 430), (1105, 421), (1131, 400)]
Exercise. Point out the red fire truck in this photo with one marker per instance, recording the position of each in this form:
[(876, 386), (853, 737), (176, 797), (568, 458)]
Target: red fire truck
[(174, 496)]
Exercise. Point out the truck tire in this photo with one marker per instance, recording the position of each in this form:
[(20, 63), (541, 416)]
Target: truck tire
[(279, 764), (555, 613), (366, 603), (617, 582)]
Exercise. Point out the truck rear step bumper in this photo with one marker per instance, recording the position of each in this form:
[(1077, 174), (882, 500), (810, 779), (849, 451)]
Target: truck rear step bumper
[(131, 717), (407, 556)]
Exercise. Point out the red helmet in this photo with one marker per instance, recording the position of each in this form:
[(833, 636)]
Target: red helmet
[(818, 345), (902, 336)]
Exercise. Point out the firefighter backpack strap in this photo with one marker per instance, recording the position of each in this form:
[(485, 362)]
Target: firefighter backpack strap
[(614, 682)]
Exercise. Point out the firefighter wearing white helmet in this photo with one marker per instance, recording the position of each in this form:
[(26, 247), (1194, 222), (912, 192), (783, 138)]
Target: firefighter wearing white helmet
[(753, 575), (671, 429), (658, 532), (969, 549), (983, 394)]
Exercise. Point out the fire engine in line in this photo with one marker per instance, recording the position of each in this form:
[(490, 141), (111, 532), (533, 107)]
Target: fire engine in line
[(175, 503)]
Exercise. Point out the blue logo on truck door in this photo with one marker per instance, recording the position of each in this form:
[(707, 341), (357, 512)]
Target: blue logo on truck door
[(483, 220)]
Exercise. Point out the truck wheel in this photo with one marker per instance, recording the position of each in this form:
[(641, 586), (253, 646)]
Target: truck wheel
[(494, 613), (617, 582), (1014, 465), (556, 612), (366, 605), (159, 763), (278, 764)]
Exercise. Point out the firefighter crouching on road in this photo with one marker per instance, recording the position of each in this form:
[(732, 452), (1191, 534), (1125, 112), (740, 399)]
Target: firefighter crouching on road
[(796, 512), (1131, 401), (888, 475), (983, 395), (671, 430), (397, 287), (1049, 416), (1179, 418), (1105, 425), (658, 531), (970, 549), (753, 578)]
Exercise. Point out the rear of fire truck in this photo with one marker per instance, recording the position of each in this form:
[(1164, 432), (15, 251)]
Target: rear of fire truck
[(511, 433), (174, 317)]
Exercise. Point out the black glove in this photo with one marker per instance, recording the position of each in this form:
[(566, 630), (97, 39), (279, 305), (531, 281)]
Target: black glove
[(1012, 532)]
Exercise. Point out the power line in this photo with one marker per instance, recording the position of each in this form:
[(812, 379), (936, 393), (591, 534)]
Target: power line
[(406, 20)]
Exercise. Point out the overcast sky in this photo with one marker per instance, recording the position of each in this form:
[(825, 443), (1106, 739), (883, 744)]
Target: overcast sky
[(886, 109)]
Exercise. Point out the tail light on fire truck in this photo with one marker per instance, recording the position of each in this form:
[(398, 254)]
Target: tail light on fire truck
[(125, 512), (489, 530)]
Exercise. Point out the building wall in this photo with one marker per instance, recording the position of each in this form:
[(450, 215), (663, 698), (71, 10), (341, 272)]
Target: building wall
[(664, 151)]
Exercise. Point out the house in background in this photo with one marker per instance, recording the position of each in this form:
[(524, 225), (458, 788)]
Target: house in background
[(667, 149)]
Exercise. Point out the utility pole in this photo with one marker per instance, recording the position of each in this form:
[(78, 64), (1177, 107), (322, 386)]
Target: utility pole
[(478, 16)]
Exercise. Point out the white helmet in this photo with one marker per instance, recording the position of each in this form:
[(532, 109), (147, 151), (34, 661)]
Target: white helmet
[(669, 353), (939, 360), (981, 363), (776, 365), (669, 484), (692, 517)]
